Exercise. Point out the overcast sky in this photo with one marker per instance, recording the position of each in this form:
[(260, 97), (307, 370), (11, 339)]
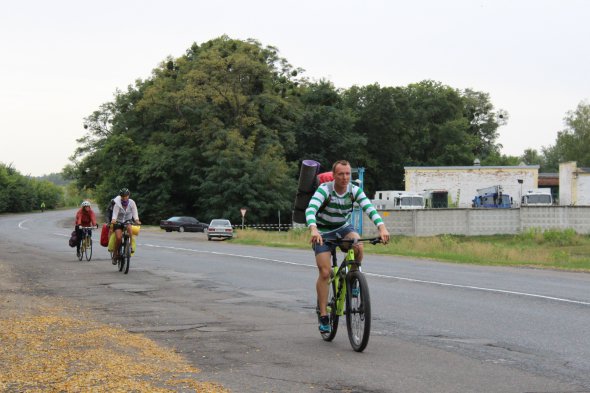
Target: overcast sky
[(61, 59)]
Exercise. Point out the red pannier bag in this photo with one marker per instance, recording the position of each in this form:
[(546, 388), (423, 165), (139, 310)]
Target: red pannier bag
[(104, 235)]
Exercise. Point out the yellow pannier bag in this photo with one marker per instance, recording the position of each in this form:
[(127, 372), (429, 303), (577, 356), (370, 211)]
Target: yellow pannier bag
[(112, 239), (112, 242)]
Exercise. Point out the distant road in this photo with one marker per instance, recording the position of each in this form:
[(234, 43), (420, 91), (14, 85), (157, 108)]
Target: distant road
[(246, 315)]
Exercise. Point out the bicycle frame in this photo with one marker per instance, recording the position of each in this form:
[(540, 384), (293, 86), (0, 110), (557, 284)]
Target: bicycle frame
[(348, 263)]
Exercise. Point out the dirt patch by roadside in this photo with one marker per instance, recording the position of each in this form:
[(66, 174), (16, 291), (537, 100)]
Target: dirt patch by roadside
[(50, 344)]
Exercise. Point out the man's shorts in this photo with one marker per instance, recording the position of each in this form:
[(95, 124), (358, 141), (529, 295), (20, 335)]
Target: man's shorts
[(342, 231), (118, 225)]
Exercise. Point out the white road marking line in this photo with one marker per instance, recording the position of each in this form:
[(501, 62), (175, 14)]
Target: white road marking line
[(388, 277), (20, 225), (481, 289)]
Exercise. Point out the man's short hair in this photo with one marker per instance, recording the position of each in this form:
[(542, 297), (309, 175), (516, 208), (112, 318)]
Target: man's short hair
[(340, 162)]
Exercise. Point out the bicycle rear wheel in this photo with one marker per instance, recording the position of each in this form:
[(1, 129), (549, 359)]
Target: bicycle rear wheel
[(331, 312), (88, 248), (358, 310)]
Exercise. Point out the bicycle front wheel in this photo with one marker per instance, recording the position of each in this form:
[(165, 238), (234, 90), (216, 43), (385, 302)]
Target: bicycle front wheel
[(126, 256), (120, 259), (88, 248), (358, 310)]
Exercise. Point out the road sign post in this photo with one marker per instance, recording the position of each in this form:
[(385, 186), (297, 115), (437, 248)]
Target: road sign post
[(243, 211)]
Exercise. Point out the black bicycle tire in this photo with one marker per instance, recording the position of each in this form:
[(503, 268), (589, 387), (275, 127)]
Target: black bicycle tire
[(358, 342), (127, 255), (82, 249), (88, 249), (334, 318), (120, 256)]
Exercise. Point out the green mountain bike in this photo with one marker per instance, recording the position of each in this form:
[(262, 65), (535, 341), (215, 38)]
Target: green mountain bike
[(349, 295)]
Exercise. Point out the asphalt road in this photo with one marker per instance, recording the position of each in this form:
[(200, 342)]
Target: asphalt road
[(245, 315)]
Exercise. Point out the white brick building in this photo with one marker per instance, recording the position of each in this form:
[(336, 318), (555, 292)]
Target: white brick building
[(462, 182), (574, 185)]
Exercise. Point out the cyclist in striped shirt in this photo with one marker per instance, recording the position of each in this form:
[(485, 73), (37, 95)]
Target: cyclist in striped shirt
[(327, 215)]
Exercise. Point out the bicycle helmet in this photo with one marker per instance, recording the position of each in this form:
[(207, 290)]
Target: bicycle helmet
[(124, 191), (85, 203)]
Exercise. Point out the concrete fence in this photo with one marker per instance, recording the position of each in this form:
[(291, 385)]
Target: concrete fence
[(473, 222)]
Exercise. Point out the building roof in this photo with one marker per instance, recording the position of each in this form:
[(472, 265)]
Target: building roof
[(548, 179), (475, 167)]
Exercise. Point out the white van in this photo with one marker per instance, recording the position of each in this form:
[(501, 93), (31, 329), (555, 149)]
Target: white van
[(391, 200), (537, 197)]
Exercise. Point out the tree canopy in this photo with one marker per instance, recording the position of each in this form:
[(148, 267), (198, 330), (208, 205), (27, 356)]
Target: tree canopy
[(226, 126)]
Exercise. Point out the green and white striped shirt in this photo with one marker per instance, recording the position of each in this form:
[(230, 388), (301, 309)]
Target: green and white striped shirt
[(338, 211)]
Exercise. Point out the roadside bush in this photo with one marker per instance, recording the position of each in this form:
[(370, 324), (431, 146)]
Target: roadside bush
[(448, 241), (558, 237), (531, 235)]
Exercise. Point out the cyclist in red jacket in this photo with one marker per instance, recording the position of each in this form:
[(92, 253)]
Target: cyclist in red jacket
[(85, 217)]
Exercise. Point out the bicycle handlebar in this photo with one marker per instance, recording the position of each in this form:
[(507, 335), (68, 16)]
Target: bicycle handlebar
[(337, 242), (81, 227)]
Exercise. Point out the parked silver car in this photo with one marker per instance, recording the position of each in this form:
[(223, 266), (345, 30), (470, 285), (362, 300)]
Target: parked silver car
[(220, 228)]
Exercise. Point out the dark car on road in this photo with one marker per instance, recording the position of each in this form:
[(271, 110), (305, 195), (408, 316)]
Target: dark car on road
[(182, 224)]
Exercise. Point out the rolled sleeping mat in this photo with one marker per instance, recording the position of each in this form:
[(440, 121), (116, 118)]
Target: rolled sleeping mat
[(307, 185), (307, 176), (299, 216)]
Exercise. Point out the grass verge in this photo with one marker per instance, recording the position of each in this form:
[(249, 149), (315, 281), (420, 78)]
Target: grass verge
[(551, 249)]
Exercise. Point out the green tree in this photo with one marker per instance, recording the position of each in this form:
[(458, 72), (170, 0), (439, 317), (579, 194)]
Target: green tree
[(20, 193), (533, 157), (325, 128), (381, 115), (423, 124), (497, 159), (484, 122), (48, 192), (193, 138), (573, 141)]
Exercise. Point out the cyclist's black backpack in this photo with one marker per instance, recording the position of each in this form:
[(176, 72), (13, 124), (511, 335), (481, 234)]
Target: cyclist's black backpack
[(109, 212), (73, 239)]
